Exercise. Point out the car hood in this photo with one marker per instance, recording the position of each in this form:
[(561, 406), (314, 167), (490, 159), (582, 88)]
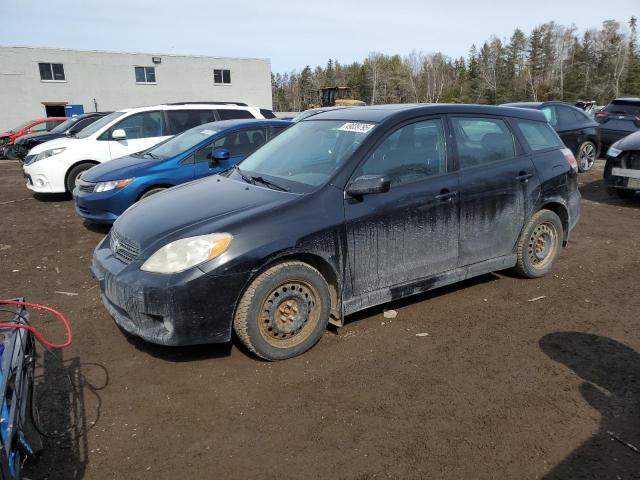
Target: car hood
[(630, 142), (194, 208), (118, 169), (43, 137), (55, 143)]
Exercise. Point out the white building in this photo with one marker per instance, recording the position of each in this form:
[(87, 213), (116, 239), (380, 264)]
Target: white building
[(38, 82)]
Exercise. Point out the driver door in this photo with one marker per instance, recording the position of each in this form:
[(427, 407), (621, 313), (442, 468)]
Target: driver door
[(144, 130), (411, 231)]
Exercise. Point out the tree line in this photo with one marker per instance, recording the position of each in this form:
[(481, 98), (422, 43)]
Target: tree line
[(553, 62)]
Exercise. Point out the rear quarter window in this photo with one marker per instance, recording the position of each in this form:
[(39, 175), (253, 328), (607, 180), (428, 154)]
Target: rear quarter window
[(539, 136), (228, 114)]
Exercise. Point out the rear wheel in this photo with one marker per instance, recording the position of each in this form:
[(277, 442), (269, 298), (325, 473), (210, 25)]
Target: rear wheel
[(284, 311), (587, 154), (73, 176), (539, 244)]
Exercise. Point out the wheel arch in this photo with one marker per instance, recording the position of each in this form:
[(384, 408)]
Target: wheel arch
[(561, 210), (151, 187), (323, 266), (74, 165)]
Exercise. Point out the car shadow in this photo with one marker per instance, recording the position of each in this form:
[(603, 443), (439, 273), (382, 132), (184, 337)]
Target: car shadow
[(596, 191), (188, 353), (610, 372), (67, 405), (97, 227), (52, 197)]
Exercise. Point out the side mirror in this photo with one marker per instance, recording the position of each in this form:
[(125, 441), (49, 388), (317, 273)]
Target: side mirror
[(119, 134), (368, 184), (219, 155)]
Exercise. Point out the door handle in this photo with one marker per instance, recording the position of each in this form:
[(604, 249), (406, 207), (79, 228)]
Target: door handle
[(524, 177), (445, 195)]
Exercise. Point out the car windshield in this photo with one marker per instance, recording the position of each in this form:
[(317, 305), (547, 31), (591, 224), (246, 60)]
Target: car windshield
[(307, 154), (96, 126), (64, 126), (20, 127), (182, 142)]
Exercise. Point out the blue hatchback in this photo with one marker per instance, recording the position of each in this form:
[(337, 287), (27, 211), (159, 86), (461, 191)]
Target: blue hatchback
[(105, 191)]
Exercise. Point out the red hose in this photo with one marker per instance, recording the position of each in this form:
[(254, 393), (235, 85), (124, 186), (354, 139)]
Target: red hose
[(35, 332)]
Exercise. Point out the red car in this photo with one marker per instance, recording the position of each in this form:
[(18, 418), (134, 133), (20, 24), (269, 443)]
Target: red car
[(32, 126)]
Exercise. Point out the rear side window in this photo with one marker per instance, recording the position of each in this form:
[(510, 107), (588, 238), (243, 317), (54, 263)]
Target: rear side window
[(629, 108), (267, 113), (228, 114), (538, 135), (551, 115), (482, 140), (181, 120)]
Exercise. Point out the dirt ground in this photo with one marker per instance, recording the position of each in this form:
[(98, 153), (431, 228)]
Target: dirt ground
[(501, 387)]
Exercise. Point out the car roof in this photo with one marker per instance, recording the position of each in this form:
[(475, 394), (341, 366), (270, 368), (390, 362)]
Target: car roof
[(380, 113), (227, 124), (187, 106)]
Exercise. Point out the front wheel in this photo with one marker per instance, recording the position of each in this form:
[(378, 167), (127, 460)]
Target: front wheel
[(539, 245), (73, 177), (587, 154), (284, 311)]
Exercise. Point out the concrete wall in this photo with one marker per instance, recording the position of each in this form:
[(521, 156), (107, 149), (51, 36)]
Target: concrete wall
[(109, 78)]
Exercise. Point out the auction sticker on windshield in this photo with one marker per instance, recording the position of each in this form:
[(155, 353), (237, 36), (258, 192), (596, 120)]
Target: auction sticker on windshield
[(356, 127)]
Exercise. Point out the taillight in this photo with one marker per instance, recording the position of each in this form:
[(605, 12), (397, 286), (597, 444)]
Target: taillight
[(601, 114), (568, 155)]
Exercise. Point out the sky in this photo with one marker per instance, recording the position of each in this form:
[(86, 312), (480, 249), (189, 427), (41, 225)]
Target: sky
[(290, 33)]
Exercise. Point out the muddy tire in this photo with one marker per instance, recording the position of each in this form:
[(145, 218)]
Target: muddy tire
[(284, 311), (74, 174), (587, 154), (539, 245), (150, 192)]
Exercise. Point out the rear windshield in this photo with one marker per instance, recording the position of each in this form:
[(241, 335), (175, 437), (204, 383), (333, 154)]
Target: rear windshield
[(617, 106), (538, 135)]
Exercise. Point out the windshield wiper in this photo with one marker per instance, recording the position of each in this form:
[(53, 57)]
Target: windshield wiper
[(264, 181), (150, 154), (244, 177)]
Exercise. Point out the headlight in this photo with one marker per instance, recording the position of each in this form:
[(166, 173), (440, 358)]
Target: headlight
[(185, 253), (613, 151), (110, 185), (49, 153)]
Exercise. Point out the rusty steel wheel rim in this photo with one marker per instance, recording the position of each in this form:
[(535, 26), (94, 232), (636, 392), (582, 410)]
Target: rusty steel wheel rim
[(543, 244), (289, 314)]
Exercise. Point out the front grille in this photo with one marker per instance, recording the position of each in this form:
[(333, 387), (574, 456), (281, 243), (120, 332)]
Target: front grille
[(87, 187), (633, 160), (124, 250), (28, 159)]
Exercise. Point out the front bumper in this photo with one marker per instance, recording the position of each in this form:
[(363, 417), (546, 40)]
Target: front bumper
[(622, 178), (188, 308), (104, 207), (41, 179)]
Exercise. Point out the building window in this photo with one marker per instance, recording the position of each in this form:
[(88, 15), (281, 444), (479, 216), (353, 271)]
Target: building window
[(145, 74), (222, 77), (51, 72)]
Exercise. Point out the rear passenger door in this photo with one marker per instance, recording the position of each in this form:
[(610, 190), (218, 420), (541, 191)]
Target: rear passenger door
[(239, 143), (496, 181), (411, 231)]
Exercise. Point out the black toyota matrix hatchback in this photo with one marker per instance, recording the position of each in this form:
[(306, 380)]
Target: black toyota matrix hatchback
[(348, 209)]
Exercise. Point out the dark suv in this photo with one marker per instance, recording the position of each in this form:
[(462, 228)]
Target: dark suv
[(348, 209), (618, 119)]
